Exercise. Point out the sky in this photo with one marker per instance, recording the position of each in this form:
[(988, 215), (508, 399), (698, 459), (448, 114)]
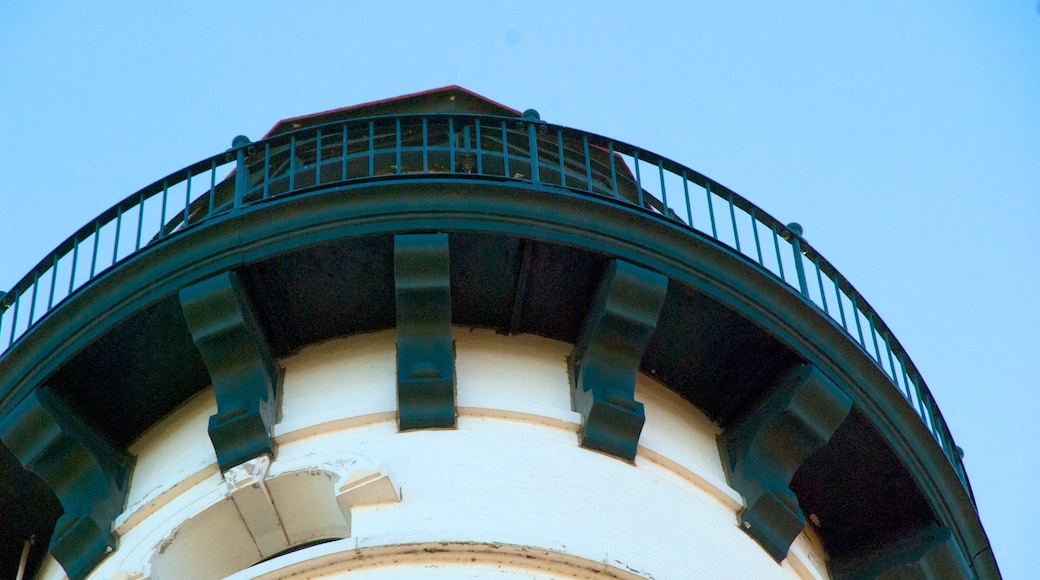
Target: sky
[(903, 136)]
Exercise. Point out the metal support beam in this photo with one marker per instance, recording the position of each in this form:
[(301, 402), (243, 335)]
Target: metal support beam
[(606, 359), (82, 467), (425, 354), (929, 553), (241, 367), (765, 449)]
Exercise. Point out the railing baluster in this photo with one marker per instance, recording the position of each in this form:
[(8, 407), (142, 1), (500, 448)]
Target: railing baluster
[(317, 157), (859, 325), (776, 244), (267, 170), (639, 183), (480, 156), (212, 185), (664, 192), (346, 147), (873, 336), (891, 363), (140, 219), (733, 222), (425, 149), (292, 163), (397, 145), (532, 149), (54, 282), (371, 148), (75, 257), (588, 164), (711, 214), (115, 243), (505, 149), (906, 377), (162, 216), (32, 301), (689, 208), (187, 209), (819, 279), (451, 145), (841, 307), (758, 244), (559, 154), (613, 170), (93, 258), (14, 319)]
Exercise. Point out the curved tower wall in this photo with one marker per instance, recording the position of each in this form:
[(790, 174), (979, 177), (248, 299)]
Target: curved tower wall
[(508, 492)]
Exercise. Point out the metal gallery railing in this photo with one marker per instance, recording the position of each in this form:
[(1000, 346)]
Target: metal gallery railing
[(463, 146)]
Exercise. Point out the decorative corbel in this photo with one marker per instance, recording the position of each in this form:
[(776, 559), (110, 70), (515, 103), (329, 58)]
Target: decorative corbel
[(765, 449), (605, 361), (87, 473), (425, 354), (241, 367)]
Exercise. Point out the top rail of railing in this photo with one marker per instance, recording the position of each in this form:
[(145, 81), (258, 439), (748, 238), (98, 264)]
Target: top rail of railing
[(465, 146)]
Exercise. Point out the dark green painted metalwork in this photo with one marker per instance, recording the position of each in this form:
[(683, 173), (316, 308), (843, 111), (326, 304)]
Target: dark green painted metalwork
[(289, 163), (521, 209), (925, 554), (765, 449), (605, 362), (425, 354), (82, 467), (592, 169), (243, 370)]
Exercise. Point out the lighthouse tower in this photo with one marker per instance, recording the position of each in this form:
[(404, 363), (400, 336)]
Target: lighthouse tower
[(435, 337)]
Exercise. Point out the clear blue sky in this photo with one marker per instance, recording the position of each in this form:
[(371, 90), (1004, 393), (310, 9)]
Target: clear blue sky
[(903, 136)]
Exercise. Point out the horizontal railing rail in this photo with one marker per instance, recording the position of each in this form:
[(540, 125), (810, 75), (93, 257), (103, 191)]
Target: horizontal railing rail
[(461, 145)]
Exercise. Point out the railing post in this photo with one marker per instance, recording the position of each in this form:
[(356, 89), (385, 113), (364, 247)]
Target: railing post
[(796, 245), (532, 117), (241, 176)]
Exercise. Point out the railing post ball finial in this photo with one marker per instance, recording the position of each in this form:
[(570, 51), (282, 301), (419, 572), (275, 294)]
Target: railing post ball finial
[(240, 141), (959, 451), (796, 228), (531, 115), (3, 302)]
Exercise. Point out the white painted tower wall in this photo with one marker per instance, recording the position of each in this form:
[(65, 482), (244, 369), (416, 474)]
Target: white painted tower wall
[(507, 494)]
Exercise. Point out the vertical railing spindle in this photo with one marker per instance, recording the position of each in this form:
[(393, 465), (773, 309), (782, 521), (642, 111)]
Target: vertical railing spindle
[(686, 196), (559, 154), (54, 282), (733, 222), (588, 163), (317, 157), (639, 183), (480, 155), (819, 280), (664, 192), (532, 151), (711, 214)]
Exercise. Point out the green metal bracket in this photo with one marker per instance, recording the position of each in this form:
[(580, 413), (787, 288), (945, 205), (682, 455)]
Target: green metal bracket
[(765, 449), (241, 367), (924, 554), (606, 358), (425, 355), (85, 470)]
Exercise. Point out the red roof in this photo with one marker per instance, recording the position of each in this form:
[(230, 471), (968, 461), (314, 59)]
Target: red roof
[(449, 99)]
